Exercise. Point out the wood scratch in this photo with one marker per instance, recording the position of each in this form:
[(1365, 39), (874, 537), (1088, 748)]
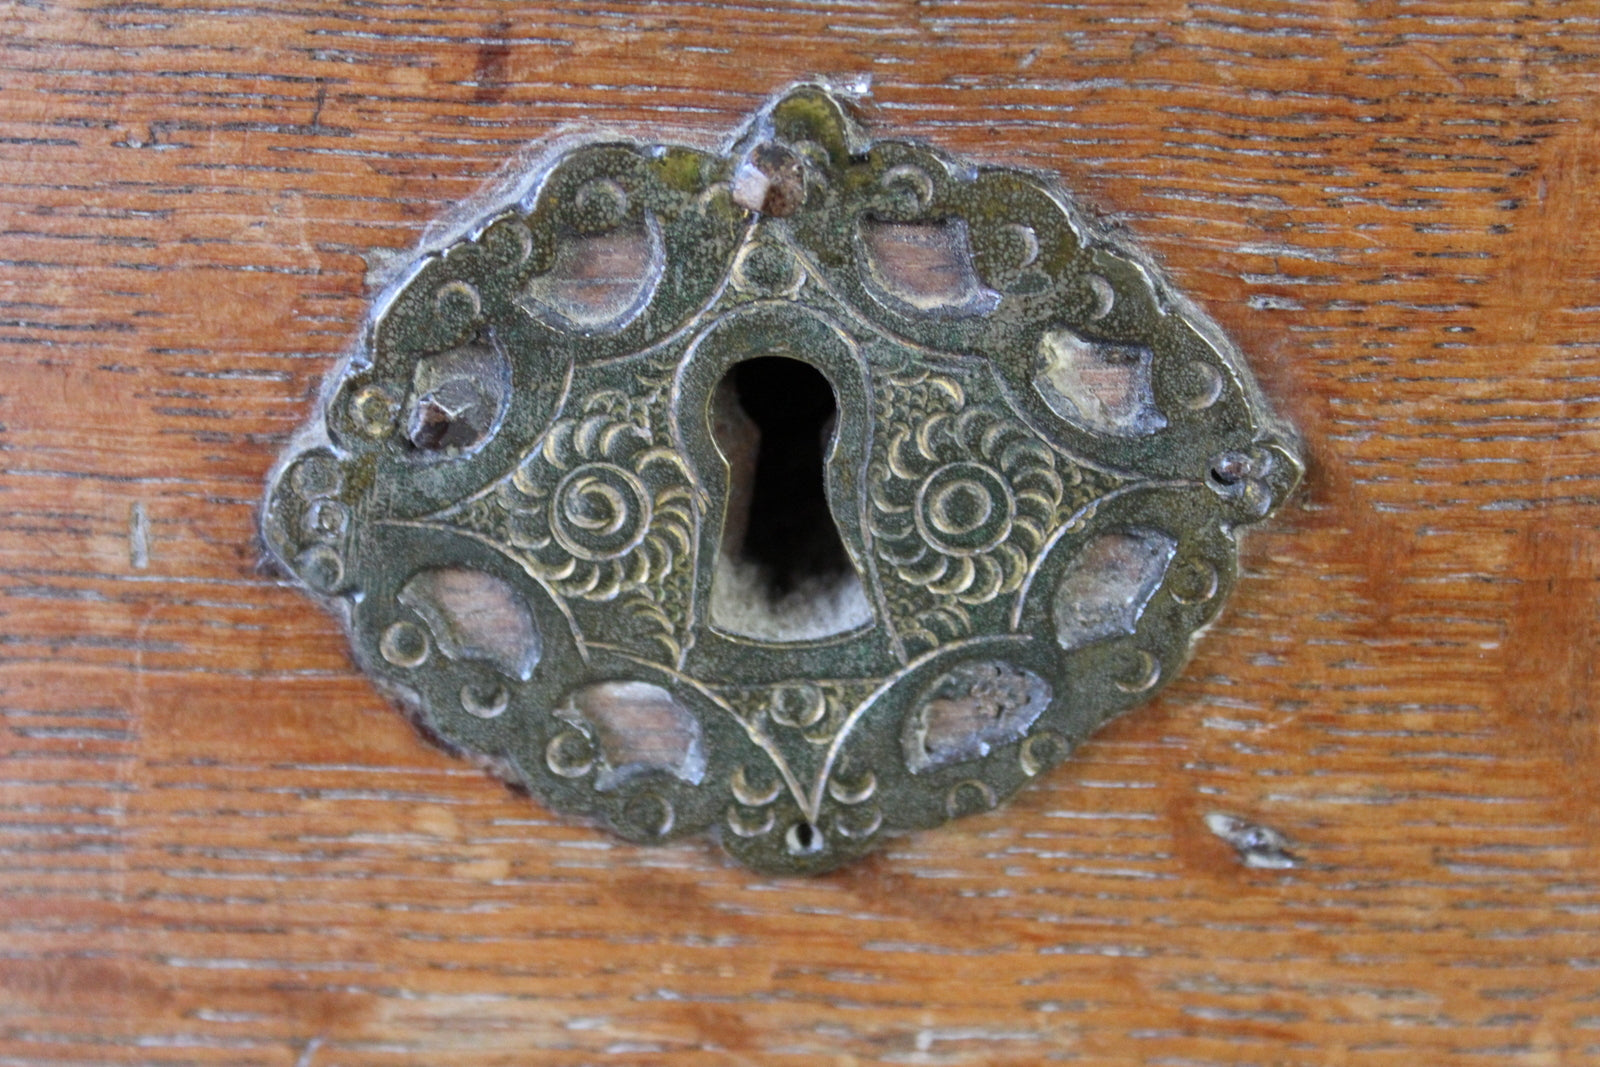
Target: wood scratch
[(138, 536)]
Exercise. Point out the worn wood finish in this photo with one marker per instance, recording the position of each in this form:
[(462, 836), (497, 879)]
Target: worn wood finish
[(219, 846)]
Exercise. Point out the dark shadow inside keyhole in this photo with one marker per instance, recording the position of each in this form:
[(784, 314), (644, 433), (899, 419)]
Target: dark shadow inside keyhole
[(784, 573), (790, 534)]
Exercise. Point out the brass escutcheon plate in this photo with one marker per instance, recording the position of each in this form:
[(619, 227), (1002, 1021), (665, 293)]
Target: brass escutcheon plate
[(809, 492)]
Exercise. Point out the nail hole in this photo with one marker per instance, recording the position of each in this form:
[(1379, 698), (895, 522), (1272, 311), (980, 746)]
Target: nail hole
[(458, 398), (804, 839), (1230, 468)]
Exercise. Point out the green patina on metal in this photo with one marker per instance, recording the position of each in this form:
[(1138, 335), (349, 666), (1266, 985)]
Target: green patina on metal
[(526, 490)]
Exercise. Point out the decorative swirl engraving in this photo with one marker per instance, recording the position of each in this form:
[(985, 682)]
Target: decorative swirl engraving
[(599, 508), (599, 512), (963, 499)]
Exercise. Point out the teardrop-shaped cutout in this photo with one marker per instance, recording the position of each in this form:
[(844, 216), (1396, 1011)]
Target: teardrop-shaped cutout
[(1105, 588), (1104, 388), (638, 728), (474, 615), (924, 268), (971, 710), (599, 282)]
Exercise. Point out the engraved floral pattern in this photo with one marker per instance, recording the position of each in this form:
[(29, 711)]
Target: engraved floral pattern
[(599, 509), (963, 497)]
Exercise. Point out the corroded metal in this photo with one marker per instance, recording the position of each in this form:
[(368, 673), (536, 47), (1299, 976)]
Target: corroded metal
[(529, 490)]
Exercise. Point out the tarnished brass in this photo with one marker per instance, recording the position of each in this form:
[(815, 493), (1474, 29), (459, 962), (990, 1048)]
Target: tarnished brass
[(807, 493)]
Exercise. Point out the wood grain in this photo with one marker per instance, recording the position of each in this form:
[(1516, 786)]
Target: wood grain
[(219, 846)]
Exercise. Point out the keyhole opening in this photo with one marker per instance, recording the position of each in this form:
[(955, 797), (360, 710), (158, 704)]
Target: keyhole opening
[(790, 533), (783, 573)]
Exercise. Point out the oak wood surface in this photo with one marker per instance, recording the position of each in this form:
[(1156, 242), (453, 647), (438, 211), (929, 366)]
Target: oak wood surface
[(218, 845)]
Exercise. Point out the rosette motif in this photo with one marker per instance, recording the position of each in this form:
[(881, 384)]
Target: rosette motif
[(963, 500), (599, 508)]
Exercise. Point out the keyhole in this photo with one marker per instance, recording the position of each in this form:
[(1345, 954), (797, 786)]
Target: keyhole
[(790, 533), (783, 574)]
